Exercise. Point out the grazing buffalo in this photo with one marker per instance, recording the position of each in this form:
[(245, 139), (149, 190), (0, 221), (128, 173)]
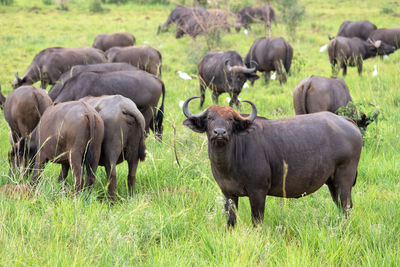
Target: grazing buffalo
[(389, 36), (69, 134), (143, 88), (145, 58), (361, 29), (316, 94), (345, 52), (49, 64), (291, 157), (270, 54), (187, 20), (224, 72), (249, 15), (218, 18), (23, 108), (103, 67), (106, 41), (123, 138)]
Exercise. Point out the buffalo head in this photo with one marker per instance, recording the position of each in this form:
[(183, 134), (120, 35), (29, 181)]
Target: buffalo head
[(18, 81), (218, 122), (380, 47)]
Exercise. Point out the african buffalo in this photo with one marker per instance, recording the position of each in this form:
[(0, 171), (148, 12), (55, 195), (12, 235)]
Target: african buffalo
[(316, 94), (69, 134), (103, 67), (345, 52), (145, 58), (389, 36), (143, 88), (23, 108), (291, 157), (270, 54), (186, 20), (249, 15), (106, 41), (123, 138), (224, 72), (50, 63), (218, 18), (361, 29)]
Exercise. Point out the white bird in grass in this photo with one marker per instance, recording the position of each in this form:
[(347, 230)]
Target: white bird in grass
[(246, 85), (228, 99), (323, 48), (375, 71), (181, 103), (386, 57), (184, 75), (273, 76), (246, 31)]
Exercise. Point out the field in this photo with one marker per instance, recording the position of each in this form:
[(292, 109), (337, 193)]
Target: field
[(176, 215)]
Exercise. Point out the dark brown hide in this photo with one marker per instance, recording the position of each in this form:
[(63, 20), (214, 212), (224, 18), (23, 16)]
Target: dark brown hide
[(103, 67), (70, 134), (124, 137), (247, 158), (316, 94), (361, 29), (145, 58), (49, 64), (270, 54), (106, 41), (345, 52), (389, 36), (223, 72), (143, 88)]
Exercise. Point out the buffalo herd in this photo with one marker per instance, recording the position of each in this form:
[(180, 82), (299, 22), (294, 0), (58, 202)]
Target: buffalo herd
[(104, 100)]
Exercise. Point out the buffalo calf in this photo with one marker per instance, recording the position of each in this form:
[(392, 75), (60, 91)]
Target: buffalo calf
[(249, 155)]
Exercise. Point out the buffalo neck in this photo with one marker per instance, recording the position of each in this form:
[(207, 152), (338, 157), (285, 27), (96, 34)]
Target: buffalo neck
[(220, 155)]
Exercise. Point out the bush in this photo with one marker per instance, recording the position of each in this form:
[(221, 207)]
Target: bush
[(6, 2), (48, 2), (292, 14), (95, 6)]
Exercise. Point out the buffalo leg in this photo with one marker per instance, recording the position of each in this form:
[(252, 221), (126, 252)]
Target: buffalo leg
[(279, 71), (257, 203), (230, 211), (202, 94), (344, 66), (132, 165), (64, 173), (234, 100), (345, 177), (76, 161), (112, 176), (215, 97), (334, 191), (267, 74), (359, 66), (335, 69), (38, 167)]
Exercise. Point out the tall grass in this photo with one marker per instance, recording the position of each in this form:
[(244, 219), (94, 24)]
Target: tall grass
[(176, 215)]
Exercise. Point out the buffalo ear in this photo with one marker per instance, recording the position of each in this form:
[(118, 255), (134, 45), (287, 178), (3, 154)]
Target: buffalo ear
[(241, 125), (252, 77), (196, 124)]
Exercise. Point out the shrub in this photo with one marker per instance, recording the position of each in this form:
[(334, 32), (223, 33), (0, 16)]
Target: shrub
[(6, 2), (48, 2), (95, 6), (292, 14)]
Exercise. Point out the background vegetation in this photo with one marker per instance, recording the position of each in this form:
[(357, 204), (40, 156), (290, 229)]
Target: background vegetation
[(176, 215)]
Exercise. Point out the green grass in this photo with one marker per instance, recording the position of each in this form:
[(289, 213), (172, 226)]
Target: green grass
[(176, 215)]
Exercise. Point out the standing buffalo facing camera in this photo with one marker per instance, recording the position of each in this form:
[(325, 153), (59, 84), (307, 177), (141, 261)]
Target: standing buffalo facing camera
[(270, 54), (145, 58), (249, 155), (106, 41), (224, 72), (345, 52), (51, 63)]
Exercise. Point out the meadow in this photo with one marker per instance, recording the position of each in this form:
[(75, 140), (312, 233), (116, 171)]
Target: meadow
[(176, 216)]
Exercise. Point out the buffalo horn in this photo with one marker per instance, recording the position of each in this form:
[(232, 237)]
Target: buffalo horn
[(16, 76), (249, 70), (377, 44), (253, 114), (253, 63), (186, 109)]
